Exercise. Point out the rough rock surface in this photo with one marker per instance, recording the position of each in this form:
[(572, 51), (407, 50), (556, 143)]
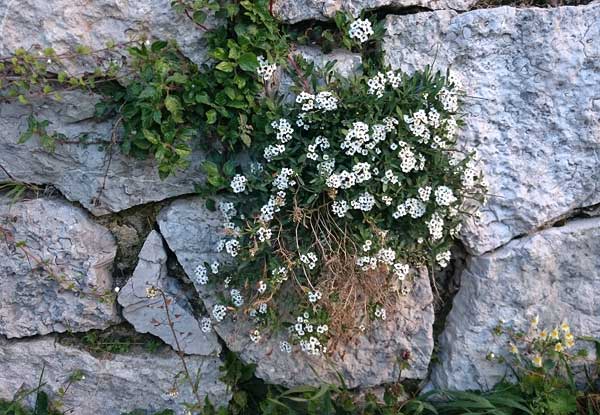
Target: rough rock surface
[(64, 24), (192, 232), (58, 239), (553, 273), (148, 315), (293, 11), (113, 385), (83, 173), (532, 108)]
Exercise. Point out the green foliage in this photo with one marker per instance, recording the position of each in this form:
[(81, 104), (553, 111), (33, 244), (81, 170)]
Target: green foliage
[(151, 108)]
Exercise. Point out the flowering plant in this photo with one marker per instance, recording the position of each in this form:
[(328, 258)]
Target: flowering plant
[(545, 362), (350, 189)]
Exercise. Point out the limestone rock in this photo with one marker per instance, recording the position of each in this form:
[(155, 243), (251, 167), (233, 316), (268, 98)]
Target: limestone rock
[(102, 179), (148, 315), (553, 273), (532, 108), (55, 268), (293, 11), (113, 385), (64, 24), (192, 233)]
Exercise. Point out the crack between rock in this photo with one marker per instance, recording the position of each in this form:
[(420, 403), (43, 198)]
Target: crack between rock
[(7, 173), (583, 212)]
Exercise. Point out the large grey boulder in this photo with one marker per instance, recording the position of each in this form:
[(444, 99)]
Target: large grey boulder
[(64, 24), (99, 177), (293, 11), (55, 269), (111, 385), (532, 108), (192, 232), (148, 313), (554, 273)]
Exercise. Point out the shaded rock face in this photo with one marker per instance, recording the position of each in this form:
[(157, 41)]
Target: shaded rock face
[(553, 273), (149, 315), (532, 108), (299, 10), (121, 383), (55, 266), (192, 233), (102, 179), (64, 24)]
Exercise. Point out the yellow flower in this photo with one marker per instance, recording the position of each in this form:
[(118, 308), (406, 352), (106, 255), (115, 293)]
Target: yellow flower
[(513, 348), (565, 327), (537, 360), (543, 334), (558, 347), (554, 334), (535, 321), (569, 340)]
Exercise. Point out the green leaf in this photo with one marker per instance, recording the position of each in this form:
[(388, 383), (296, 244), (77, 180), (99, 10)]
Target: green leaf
[(225, 66), (174, 107), (211, 117), (248, 62)]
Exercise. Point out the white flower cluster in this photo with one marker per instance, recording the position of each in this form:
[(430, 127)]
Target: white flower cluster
[(443, 259), (308, 332), (360, 30), (365, 202), (282, 180), (265, 70), (436, 227), (314, 296), (444, 196), (380, 313), (264, 234), (236, 297), (219, 312), (255, 336), (285, 347), (200, 275), (284, 130), (205, 325), (378, 83), (324, 101), (238, 183), (309, 259)]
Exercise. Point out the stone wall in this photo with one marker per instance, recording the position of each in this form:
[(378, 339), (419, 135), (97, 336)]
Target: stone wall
[(532, 110)]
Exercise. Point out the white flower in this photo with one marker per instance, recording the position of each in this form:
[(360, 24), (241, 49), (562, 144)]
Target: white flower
[(285, 347), (314, 296), (380, 313), (444, 196), (424, 193), (443, 258), (436, 227), (238, 184), (219, 312), (236, 297), (377, 85), (205, 324), (262, 287), (255, 336), (214, 267), (365, 202), (360, 30), (265, 70), (232, 246), (200, 275), (264, 234), (262, 309), (401, 270), (339, 208), (326, 101), (415, 208), (310, 259)]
